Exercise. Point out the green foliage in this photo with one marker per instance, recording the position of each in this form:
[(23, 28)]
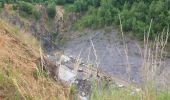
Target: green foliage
[(30, 1), (83, 5), (135, 14), (60, 2), (58, 38), (36, 14), (73, 89), (26, 7), (1, 4), (14, 6), (104, 91), (55, 35), (7, 1), (164, 95), (69, 8), (40, 73), (51, 10), (69, 1)]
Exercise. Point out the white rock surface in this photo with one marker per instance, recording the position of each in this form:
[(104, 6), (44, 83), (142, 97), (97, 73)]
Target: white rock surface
[(120, 85), (66, 74), (137, 89), (82, 98), (64, 59)]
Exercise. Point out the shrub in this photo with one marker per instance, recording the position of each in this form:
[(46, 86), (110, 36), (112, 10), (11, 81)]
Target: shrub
[(135, 14), (70, 8), (14, 6), (51, 10), (60, 2), (26, 7), (1, 4), (40, 73), (81, 5), (36, 14)]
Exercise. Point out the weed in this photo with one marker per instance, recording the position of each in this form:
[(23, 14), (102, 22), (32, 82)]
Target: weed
[(40, 73)]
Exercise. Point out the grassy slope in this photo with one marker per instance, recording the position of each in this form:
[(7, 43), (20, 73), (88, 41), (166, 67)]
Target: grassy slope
[(147, 93), (18, 54)]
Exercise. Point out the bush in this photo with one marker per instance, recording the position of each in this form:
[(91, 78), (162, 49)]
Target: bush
[(81, 5), (51, 10), (14, 6), (2, 4), (135, 14), (36, 14), (26, 7)]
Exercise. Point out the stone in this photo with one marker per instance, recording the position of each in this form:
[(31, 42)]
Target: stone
[(64, 59), (80, 69), (82, 98), (83, 94), (120, 85), (66, 74), (137, 90)]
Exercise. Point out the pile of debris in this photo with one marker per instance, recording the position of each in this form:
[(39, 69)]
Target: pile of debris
[(73, 71)]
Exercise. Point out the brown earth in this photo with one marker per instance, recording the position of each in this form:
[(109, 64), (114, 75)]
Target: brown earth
[(18, 68)]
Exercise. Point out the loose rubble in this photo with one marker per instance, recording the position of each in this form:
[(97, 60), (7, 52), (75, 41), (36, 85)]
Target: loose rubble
[(83, 76)]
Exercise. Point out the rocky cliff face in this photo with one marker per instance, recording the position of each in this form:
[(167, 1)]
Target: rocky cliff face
[(41, 29)]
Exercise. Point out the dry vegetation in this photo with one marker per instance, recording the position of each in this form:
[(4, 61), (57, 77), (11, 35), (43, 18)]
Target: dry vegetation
[(153, 61), (19, 76)]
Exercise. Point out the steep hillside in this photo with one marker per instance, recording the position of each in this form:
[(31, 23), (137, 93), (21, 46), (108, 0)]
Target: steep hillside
[(19, 76), (83, 47)]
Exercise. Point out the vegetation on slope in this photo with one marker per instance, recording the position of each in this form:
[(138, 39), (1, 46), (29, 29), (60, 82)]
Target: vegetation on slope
[(19, 72), (20, 77), (51, 10), (104, 92), (135, 14)]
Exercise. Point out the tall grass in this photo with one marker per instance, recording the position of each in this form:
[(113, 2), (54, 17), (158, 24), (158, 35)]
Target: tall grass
[(102, 92), (152, 62), (20, 78), (154, 56)]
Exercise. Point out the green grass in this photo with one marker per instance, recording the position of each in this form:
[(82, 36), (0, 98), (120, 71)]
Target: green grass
[(40, 73), (164, 95), (101, 92)]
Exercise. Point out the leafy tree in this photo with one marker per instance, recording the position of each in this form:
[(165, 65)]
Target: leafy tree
[(135, 14)]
